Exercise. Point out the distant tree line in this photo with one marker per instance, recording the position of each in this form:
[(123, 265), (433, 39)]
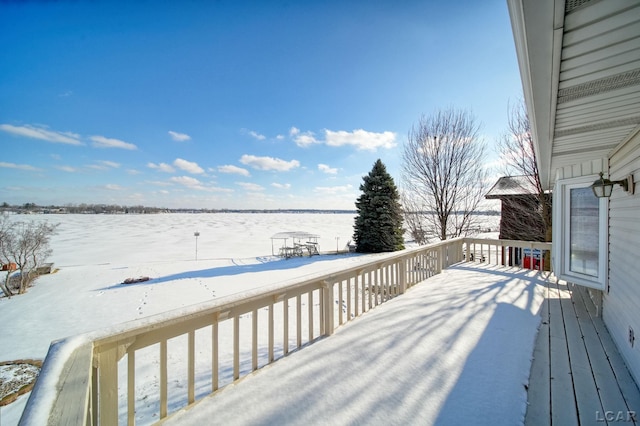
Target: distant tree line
[(139, 209)]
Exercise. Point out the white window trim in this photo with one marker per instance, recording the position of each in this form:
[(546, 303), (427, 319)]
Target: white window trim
[(561, 241)]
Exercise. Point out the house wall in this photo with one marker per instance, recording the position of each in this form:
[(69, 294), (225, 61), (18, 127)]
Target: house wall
[(622, 303)]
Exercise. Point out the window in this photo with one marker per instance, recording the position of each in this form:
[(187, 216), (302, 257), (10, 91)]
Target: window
[(580, 233)]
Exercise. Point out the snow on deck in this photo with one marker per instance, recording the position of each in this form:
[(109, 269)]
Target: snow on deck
[(455, 349)]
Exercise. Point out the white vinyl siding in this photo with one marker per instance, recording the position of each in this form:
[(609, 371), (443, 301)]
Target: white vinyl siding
[(622, 301)]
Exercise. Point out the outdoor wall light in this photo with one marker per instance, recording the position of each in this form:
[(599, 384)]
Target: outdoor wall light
[(603, 187)]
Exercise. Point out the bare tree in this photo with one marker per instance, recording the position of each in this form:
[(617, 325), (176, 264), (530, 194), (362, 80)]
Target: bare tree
[(413, 219), (443, 173), (25, 244), (530, 214)]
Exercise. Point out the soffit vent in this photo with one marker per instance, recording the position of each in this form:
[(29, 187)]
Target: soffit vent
[(574, 4), (595, 87), (631, 121)]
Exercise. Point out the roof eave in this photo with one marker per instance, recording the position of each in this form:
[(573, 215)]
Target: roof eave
[(537, 30)]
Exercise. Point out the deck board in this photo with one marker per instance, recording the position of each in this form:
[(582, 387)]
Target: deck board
[(539, 403), (607, 385), (586, 391), (588, 376), (617, 389), (563, 412)]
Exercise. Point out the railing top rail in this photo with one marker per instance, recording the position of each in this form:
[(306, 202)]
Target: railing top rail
[(514, 243)]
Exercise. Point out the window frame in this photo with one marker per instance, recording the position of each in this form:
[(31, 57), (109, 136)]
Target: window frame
[(561, 234)]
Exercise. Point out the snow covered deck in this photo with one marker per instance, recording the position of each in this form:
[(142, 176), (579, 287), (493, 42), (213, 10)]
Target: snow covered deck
[(455, 349)]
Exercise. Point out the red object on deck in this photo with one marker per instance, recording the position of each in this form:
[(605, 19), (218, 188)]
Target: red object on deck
[(528, 264)]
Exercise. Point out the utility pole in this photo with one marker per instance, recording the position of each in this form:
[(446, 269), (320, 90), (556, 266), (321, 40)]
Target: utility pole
[(196, 234)]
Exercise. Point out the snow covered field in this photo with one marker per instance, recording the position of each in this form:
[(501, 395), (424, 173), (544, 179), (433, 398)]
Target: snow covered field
[(96, 253)]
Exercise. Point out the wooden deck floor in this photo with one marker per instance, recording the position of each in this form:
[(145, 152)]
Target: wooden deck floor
[(577, 376)]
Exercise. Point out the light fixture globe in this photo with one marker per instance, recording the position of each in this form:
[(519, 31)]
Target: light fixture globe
[(604, 187)]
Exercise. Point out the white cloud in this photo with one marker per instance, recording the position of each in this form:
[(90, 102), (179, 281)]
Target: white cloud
[(102, 142), (43, 134), (188, 181), (188, 166), (269, 163), (109, 164), (158, 183), (234, 170), (18, 166), (302, 139), (218, 189), (66, 169), (328, 170), (280, 137), (163, 167), (248, 186), (56, 157), (104, 165), (281, 185), (133, 172), (113, 187), (331, 190), (179, 137), (257, 135), (361, 139)]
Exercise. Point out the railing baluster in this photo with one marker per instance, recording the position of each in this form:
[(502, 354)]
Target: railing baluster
[(271, 356), (214, 356), (254, 340), (348, 281), (369, 289), (94, 395), (340, 301), (363, 295), (131, 388), (310, 315), (356, 296), (299, 319), (285, 322), (163, 379), (236, 347), (321, 312), (191, 367)]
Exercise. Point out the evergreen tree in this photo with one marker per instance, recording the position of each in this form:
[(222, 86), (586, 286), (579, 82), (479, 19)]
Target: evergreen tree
[(378, 225)]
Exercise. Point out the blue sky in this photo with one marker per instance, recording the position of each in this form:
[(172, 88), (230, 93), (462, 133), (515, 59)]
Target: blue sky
[(235, 104)]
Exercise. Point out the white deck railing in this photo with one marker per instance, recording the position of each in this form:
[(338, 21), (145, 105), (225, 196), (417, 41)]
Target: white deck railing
[(91, 379)]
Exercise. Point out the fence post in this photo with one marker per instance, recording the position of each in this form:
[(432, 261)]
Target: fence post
[(108, 386), (402, 271), (327, 304)]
